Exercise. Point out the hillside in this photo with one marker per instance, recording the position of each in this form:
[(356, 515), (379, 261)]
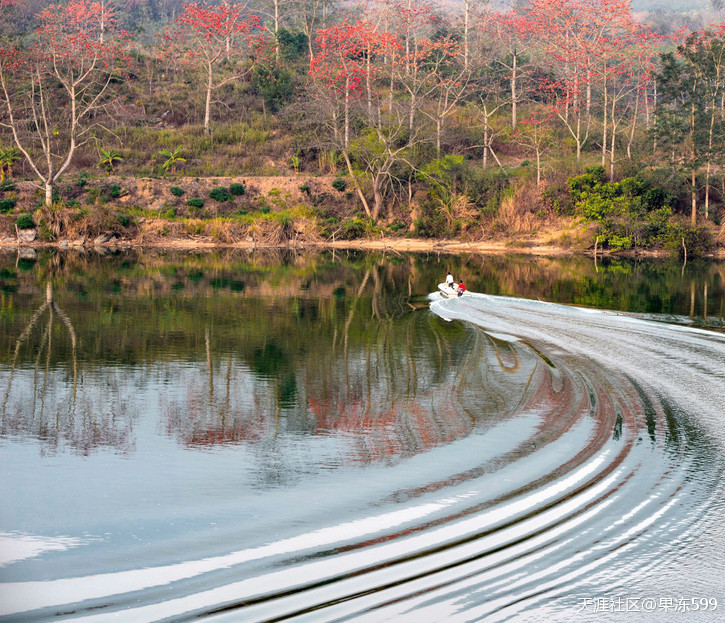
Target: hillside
[(352, 131)]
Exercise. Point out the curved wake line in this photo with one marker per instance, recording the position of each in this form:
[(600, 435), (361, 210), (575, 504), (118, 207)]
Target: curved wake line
[(586, 478)]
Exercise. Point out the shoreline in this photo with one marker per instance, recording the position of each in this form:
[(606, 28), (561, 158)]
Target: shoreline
[(556, 237), (395, 245)]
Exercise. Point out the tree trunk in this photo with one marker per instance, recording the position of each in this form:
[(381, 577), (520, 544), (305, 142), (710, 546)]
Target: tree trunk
[(49, 193), (654, 110), (439, 130), (466, 12), (207, 107), (392, 82), (360, 194), (604, 122), (485, 141), (377, 198), (589, 96), (634, 126), (707, 189), (514, 76), (276, 30), (710, 144), (693, 191), (368, 85), (611, 151), (578, 138), (411, 114), (693, 216), (346, 136), (613, 121), (407, 40)]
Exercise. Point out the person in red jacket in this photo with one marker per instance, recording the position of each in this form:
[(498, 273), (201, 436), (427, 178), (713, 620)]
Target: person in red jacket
[(461, 289)]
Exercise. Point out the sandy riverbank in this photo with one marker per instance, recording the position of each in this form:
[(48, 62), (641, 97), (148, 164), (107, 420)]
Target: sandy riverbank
[(395, 245)]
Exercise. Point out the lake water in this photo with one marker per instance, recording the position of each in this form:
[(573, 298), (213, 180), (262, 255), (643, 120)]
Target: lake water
[(268, 436)]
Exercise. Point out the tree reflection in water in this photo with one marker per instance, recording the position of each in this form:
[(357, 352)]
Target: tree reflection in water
[(262, 348), (45, 404)]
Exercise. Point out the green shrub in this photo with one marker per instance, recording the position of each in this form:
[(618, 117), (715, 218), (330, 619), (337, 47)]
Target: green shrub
[(558, 200), (7, 185), (25, 221), (220, 194), (195, 202), (123, 219), (273, 192), (6, 205), (115, 191), (353, 228), (95, 195), (169, 214), (629, 214), (293, 45), (697, 240), (275, 84), (339, 184), (265, 209), (433, 222), (484, 188), (305, 188), (82, 181), (237, 189), (176, 191)]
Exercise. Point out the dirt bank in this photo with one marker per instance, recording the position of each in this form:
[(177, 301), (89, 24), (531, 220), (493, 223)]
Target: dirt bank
[(170, 223)]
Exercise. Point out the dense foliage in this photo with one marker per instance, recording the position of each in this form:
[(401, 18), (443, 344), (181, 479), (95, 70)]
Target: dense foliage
[(632, 213)]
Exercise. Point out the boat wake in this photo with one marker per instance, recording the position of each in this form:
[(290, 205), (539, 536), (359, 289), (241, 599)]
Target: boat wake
[(578, 473)]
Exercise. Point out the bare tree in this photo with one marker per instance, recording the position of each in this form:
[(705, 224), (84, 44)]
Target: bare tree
[(54, 94), (310, 15)]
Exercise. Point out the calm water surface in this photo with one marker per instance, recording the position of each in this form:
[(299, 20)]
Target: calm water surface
[(271, 436)]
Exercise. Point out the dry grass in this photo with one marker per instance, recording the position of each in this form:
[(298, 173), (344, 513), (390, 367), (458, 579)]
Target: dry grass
[(515, 218), (522, 211)]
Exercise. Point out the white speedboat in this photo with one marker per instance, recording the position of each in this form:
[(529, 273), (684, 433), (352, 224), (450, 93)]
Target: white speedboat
[(448, 291)]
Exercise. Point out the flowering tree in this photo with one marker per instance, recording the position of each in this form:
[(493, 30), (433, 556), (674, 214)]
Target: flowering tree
[(54, 94), (342, 76), (339, 67), (207, 37), (573, 34), (623, 69)]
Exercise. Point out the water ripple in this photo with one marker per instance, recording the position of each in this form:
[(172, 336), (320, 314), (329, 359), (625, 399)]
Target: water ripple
[(578, 455)]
